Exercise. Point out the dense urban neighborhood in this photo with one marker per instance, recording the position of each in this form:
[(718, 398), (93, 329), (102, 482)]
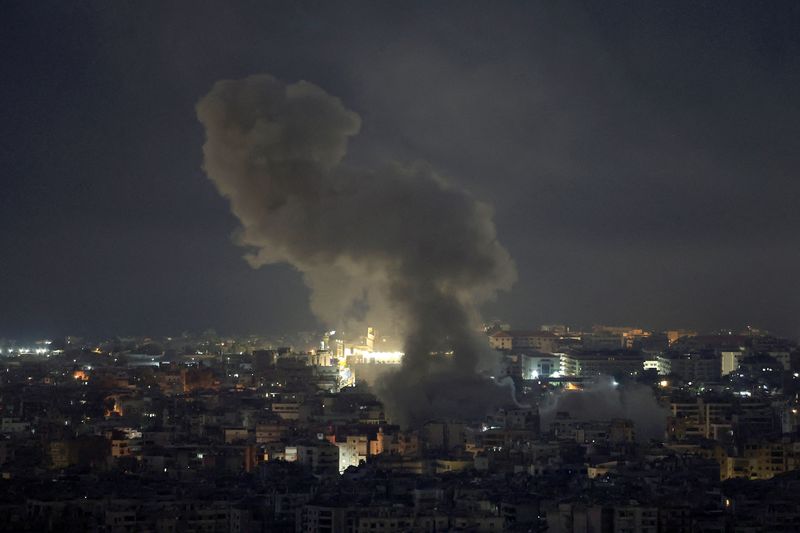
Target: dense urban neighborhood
[(608, 429)]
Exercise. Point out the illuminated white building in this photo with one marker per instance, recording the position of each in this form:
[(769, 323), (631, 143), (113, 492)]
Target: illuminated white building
[(540, 365)]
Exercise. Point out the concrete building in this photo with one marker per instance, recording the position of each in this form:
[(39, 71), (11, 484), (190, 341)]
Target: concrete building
[(321, 456), (542, 341), (602, 363), (537, 364), (692, 367), (730, 360)]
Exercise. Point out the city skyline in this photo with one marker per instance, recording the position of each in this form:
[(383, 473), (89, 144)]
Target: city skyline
[(408, 267)]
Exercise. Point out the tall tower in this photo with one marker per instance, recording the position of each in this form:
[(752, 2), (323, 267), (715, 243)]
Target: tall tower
[(370, 339)]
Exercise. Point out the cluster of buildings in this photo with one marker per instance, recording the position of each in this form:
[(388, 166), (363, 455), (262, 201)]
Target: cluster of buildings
[(211, 434)]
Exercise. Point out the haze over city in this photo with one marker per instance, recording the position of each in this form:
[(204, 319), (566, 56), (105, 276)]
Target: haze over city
[(638, 156), (347, 267)]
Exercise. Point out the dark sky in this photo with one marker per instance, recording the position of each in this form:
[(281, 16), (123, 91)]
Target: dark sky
[(642, 157)]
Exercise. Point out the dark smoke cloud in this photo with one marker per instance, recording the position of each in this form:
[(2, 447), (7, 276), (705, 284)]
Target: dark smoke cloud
[(603, 400), (399, 245)]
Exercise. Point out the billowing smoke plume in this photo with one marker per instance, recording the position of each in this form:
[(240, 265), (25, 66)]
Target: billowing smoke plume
[(603, 400), (394, 245)]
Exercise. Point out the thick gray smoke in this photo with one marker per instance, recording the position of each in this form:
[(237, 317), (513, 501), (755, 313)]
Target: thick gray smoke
[(395, 245), (603, 400)]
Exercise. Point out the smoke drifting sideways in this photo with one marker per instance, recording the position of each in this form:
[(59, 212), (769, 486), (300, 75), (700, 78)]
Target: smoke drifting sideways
[(603, 400), (395, 245)]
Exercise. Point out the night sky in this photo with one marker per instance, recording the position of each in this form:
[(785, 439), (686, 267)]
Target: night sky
[(642, 158)]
